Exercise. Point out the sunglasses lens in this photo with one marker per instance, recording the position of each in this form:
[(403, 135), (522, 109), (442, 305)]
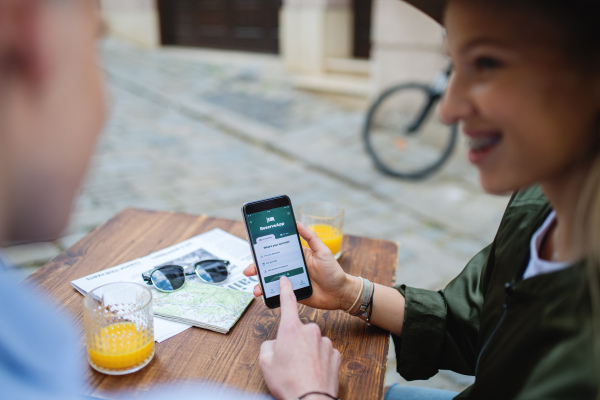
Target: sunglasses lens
[(168, 278), (212, 271)]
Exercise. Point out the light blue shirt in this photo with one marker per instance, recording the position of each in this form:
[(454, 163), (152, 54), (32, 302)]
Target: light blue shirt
[(37, 357), (39, 351)]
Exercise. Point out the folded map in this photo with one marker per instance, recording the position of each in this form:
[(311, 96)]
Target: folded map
[(202, 305)]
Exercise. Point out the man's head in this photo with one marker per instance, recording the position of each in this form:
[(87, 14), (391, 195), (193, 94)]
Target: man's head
[(51, 110)]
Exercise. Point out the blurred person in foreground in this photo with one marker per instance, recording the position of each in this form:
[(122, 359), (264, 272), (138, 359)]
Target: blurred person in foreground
[(51, 111), (523, 317)]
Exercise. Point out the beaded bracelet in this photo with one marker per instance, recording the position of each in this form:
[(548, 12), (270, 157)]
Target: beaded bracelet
[(367, 292), (368, 309), (321, 393), (371, 306), (365, 301)]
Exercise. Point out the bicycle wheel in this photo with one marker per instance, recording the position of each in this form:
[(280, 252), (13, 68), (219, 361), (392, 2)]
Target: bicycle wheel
[(404, 135)]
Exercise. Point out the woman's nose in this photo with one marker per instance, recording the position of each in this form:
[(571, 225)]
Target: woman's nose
[(455, 104)]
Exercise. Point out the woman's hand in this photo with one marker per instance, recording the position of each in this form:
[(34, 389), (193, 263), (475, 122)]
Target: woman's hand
[(332, 288), (300, 360)]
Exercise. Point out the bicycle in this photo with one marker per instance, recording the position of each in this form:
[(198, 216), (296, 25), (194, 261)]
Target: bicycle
[(401, 135)]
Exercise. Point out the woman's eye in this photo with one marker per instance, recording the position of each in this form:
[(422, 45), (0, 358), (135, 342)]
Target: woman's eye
[(486, 63)]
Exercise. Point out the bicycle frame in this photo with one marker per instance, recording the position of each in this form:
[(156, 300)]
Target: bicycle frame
[(436, 90), (413, 126)]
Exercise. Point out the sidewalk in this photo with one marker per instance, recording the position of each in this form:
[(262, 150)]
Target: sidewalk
[(202, 132)]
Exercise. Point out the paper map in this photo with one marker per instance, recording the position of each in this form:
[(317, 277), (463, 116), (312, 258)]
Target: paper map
[(203, 305)]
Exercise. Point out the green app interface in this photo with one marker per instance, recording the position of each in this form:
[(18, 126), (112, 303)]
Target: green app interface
[(278, 251)]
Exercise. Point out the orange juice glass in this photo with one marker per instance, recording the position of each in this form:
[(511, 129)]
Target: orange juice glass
[(119, 327), (327, 221)]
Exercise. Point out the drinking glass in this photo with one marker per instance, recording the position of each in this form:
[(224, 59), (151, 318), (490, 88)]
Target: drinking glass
[(326, 220), (119, 327)]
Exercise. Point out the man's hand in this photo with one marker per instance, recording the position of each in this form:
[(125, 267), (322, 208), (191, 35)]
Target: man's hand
[(300, 360)]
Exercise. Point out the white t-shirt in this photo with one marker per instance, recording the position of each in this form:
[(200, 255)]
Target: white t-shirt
[(536, 265)]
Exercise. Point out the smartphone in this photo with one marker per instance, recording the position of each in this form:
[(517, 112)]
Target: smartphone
[(276, 248)]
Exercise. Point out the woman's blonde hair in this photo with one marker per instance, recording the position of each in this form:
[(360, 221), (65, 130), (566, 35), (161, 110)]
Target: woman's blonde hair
[(579, 21), (587, 239)]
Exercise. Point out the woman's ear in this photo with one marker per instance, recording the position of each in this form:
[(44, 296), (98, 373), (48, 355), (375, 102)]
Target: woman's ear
[(21, 55)]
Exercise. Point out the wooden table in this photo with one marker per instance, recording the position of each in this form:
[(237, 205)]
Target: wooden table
[(198, 354)]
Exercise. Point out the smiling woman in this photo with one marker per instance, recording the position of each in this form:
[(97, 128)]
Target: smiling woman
[(526, 90), (523, 314), (529, 113)]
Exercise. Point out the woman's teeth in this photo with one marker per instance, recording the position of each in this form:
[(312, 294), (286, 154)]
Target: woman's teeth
[(483, 142)]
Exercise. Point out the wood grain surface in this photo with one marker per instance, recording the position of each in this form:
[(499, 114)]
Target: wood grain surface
[(198, 355)]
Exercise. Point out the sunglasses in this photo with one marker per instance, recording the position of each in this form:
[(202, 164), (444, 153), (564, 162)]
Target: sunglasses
[(170, 278)]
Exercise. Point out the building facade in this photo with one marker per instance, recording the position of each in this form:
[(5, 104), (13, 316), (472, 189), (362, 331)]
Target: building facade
[(352, 47)]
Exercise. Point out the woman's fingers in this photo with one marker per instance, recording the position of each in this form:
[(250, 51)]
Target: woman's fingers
[(257, 291), (312, 239), (250, 270)]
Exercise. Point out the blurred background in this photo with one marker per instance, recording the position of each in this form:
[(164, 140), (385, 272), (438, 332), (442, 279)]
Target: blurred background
[(214, 103)]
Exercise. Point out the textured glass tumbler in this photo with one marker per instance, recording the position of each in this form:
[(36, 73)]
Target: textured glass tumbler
[(327, 221), (119, 327)]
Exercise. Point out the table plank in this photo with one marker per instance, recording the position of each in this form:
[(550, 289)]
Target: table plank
[(198, 354)]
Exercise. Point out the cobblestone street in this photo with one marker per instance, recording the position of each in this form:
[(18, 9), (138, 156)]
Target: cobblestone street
[(202, 132)]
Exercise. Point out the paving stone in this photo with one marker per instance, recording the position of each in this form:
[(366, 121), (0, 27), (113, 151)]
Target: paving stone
[(445, 380), (429, 267), (86, 220), (464, 246), (69, 240), (38, 253)]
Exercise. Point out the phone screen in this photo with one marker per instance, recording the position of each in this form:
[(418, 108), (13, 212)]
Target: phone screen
[(277, 248)]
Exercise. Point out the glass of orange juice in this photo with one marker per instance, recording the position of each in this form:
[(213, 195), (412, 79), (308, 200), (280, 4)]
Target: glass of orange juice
[(119, 327), (326, 220)]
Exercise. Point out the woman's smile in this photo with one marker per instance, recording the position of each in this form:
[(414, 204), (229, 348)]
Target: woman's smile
[(481, 144), (529, 116)]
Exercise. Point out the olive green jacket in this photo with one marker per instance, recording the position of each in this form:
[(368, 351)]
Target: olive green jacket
[(522, 339)]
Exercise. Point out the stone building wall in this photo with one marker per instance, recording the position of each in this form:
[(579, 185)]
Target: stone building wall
[(135, 21), (407, 45)]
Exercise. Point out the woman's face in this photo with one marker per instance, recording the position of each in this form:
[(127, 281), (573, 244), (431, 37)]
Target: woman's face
[(528, 114)]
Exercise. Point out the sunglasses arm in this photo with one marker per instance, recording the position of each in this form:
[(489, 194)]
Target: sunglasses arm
[(146, 277)]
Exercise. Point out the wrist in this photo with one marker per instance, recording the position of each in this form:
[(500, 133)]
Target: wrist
[(352, 289)]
